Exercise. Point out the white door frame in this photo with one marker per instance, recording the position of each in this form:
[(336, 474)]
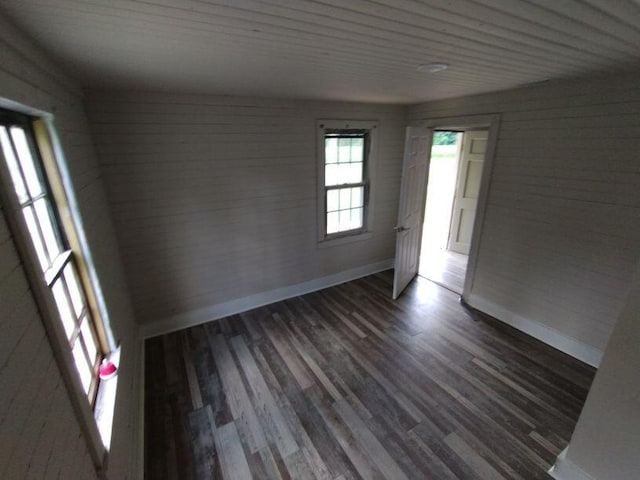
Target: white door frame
[(491, 122)]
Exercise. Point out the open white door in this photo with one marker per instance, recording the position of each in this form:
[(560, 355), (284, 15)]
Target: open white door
[(474, 147), (415, 168)]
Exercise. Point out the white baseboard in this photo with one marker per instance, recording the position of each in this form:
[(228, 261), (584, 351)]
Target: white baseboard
[(548, 335), (565, 469), (138, 468), (232, 307)]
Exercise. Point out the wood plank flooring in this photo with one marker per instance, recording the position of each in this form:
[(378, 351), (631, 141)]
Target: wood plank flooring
[(346, 383), (444, 267)]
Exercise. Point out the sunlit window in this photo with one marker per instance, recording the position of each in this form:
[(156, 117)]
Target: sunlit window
[(346, 180), (56, 259)]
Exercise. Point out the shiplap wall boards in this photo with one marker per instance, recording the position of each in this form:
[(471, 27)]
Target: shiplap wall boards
[(214, 198), (40, 435), (562, 228), (213, 201)]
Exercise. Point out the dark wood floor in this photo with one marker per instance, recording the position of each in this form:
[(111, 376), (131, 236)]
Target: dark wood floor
[(346, 383)]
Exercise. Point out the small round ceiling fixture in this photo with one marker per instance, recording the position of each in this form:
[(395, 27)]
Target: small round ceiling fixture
[(432, 67)]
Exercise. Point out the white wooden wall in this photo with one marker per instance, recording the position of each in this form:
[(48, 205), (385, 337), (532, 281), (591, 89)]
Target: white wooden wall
[(214, 197), (606, 440), (39, 434), (562, 228)]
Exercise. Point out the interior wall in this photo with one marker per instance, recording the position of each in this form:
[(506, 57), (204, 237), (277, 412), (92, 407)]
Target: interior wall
[(606, 441), (214, 197), (39, 433), (562, 231)]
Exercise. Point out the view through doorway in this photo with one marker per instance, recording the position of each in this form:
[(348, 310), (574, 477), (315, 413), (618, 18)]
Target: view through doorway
[(455, 172)]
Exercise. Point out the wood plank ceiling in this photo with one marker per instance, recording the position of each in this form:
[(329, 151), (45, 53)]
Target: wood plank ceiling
[(360, 50)]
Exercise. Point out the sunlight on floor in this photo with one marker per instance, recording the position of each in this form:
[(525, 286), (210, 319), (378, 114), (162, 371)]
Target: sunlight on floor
[(437, 263)]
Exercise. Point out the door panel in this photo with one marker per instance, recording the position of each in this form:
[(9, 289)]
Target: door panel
[(474, 146), (415, 168)]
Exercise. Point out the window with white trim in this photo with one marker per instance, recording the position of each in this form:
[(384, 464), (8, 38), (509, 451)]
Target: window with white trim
[(28, 187), (345, 157)]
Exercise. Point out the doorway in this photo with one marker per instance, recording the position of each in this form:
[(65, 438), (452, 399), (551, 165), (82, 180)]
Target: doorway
[(470, 199), (455, 173)]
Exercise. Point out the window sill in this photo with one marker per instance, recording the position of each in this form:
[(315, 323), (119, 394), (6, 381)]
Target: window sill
[(357, 237), (106, 402)]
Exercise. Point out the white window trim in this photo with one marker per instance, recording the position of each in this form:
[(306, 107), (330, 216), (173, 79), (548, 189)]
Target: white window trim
[(98, 439), (366, 232)]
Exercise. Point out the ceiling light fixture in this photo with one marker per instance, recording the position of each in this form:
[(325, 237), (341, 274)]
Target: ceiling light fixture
[(432, 67)]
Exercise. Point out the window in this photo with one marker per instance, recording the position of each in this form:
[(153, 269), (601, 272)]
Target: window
[(346, 165), (28, 190)]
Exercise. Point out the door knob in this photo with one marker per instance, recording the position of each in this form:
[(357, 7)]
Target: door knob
[(401, 229)]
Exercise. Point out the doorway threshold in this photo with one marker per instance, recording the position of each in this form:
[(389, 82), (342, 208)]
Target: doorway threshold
[(444, 267), (451, 288)]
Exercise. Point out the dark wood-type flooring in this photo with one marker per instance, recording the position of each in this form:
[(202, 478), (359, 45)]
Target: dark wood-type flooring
[(346, 383)]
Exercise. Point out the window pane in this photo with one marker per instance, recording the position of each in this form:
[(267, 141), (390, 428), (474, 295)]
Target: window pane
[(36, 238), (356, 218), (350, 219), (12, 163), (26, 161), (357, 149), (354, 172), (89, 340), (62, 301), (357, 195), (332, 200), (344, 150), (84, 369), (46, 226), (345, 220), (332, 175), (345, 198), (349, 215), (74, 289), (330, 150), (342, 173), (333, 223)]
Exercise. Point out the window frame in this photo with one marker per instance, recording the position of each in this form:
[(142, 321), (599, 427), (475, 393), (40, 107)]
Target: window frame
[(325, 127), (39, 129)]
